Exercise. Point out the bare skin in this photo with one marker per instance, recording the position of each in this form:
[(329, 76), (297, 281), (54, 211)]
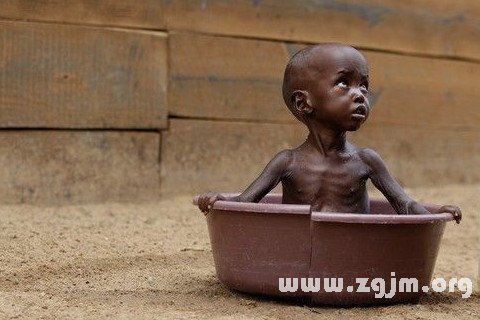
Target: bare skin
[(326, 88)]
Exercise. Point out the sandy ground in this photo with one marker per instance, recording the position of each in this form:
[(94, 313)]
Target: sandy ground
[(153, 261)]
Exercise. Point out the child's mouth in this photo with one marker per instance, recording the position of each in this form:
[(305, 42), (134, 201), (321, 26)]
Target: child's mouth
[(359, 113)]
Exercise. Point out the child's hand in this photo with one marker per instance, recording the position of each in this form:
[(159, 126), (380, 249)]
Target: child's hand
[(454, 210), (206, 201)]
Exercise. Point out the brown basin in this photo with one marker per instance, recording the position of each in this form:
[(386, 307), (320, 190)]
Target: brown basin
[(256, 244)]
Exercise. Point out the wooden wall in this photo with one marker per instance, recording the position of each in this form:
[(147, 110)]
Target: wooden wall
[(128, 100)]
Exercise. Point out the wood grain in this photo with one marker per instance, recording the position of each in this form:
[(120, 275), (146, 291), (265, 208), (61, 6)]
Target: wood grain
[(126, 13), (68, 167), (81, 77), (436, 27), (230, 78), (226, 78), (198, 156), (213, 155), (419, 156)]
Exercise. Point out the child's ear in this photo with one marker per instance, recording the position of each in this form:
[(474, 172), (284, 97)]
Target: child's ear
[(301, 102)]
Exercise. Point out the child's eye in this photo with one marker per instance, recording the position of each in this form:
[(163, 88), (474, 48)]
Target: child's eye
[(364, 87), (342, 83)]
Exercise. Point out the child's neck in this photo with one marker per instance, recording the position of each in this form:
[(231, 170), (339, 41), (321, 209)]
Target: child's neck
[(327, 142)]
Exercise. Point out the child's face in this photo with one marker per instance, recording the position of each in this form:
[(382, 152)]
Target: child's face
[(339, 87)]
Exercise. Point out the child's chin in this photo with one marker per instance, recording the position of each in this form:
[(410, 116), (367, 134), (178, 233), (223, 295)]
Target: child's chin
[(354, 127)]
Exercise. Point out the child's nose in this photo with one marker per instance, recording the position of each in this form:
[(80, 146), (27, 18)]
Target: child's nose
[(358, 96)]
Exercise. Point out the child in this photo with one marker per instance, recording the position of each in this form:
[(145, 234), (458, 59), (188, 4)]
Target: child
[(326, 87)]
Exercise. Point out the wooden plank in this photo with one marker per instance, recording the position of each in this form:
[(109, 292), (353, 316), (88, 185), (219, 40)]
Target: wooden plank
[(424, 92), (424, 156), (68, 167), (220, 77), (228, 78), (198, 156), (212, 155), (435, 27), (127, 13), (81, 77)]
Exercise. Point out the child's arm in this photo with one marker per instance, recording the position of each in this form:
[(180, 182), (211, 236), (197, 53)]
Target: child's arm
[(268, 179), (394, 193)]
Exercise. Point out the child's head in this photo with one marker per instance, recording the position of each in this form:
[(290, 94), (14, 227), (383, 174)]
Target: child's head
[(328, 83)]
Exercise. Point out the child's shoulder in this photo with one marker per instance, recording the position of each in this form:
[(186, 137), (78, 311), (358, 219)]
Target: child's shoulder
[(283, 159), (366, 153), (370, 157), (285, 156)]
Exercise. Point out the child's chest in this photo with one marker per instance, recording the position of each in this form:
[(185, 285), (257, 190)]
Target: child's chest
[(339, 175)]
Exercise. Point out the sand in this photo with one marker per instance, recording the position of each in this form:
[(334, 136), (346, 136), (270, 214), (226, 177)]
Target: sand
[(153, 261)]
